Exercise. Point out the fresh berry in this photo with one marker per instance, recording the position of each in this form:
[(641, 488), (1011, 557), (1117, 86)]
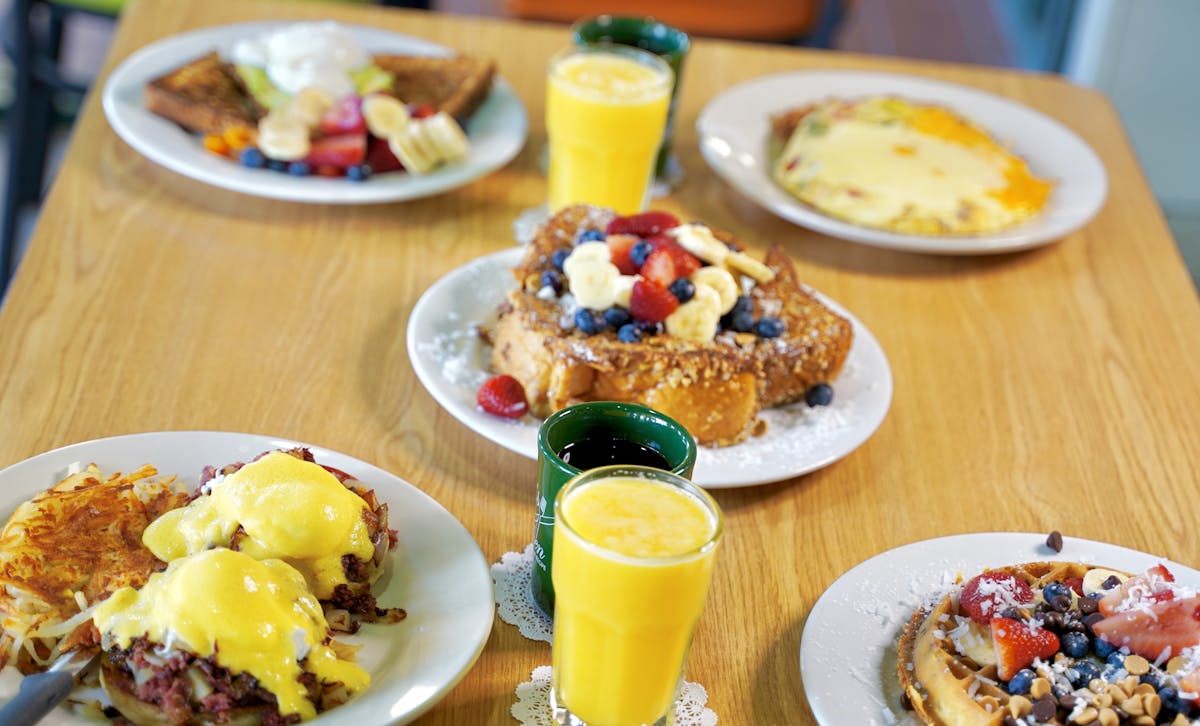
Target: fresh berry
[(1017, 645), (619, 249), (253, 158), (683, 289), (299, 168), (1075, 645), (1152, 627), (649, 328), (988, 594), (742, 305), (644, 224), (380, 156), (1075, 584), (588, 322), (502, 396), (1053, 590), (640, 252), (590, 234), (629, 333), (1085, 672), (344, 150), (359, 172), (277, 165), (768, 327), (659, 268), (553, 279), (1153, 585), (329, 170), (1102, 648), (820, 394), (559, 257), (742, 321), (1019, 684), (421, 110), (650, 302), (615, 317), (343, 117), (685, 262), (1171, 703)]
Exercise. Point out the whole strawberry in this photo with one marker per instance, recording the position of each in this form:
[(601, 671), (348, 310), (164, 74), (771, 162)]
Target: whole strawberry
[(989, 594), (502, 396)]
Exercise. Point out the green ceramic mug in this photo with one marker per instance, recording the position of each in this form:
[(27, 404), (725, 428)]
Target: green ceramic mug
[(588, 435), (670, 44)]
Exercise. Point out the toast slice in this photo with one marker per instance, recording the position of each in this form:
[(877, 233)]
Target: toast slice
[(457, 85), (203, 96), (714, 389)]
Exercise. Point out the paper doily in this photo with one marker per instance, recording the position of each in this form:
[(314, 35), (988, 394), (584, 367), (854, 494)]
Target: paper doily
[(512, 576), (533, 702)]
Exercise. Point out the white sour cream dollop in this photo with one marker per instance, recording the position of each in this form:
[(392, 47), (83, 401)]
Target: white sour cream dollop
[(305, 55)]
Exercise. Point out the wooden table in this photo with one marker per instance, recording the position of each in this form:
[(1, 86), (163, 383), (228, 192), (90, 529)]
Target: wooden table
[(1051, 389)]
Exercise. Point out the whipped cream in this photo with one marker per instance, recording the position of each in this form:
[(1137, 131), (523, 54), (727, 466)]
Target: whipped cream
[(305, 55)]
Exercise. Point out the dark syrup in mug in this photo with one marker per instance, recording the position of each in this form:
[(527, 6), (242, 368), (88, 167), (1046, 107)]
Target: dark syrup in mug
[(591, 453)]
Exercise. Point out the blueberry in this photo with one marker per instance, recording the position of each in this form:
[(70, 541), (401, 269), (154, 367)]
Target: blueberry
[(1054, 589), (1170, 701), (640, 251), (253, 158), (1153, 678), (649, 328), (1020, 683), (768, 327), (277, 165), (742, 305), (358, 172), (1075, 645), (1102, 648), (616, 317), (553, 279), (1085, 672), (559, 257), (683, 289), (821, 394), (588, 322), (742, 321), (299, 168), (590, 235), (1116, 659), (629, 333)]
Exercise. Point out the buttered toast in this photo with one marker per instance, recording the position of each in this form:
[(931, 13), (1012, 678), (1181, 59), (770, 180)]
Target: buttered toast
[(203, 96), (455, 85), (705, 367)]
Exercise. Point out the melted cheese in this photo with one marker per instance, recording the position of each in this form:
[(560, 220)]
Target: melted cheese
[(290, 509), (255, 617)]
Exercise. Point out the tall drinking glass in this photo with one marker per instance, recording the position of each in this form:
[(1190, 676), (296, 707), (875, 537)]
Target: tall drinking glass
[(606, 110), (633, 558)]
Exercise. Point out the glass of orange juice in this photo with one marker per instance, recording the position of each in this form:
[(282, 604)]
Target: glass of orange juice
[(633, 558), (606, 111)]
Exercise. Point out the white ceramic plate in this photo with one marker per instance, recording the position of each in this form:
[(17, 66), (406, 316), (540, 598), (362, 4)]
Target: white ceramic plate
[(452, 361), (734, 128), (437, 572), (496, 131), (848, 649)]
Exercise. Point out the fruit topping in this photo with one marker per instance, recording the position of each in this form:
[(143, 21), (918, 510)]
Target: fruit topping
[(299, 168), (640, 252), (659, 268), (553, 279), (502, 396), (820, 394), (589, 235), (1153, 628), (588, 321), (380, 156), (768, 327), (559, 257), (629, 333), (359, 172), (720, 280), (253, 158), (619, 248), (344, 150), (650, 302), (615, 317), (345, 116), (644, 224), (697, 319), (989, 594), (383, 115), (683, 289), (1153, 585), (1018, 644)]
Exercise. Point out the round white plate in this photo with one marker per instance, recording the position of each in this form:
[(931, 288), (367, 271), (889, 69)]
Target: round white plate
[(496, 131), (734, 129), (436, 572), (848, 649), (452, 361)]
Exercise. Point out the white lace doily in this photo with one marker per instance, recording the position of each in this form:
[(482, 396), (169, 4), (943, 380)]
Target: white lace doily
[(512, 576), (533, 702)]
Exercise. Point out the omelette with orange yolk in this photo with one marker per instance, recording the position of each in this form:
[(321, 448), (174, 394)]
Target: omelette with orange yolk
[(891, 164)]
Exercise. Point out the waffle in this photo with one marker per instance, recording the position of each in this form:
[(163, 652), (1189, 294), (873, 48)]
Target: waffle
[(714, 389)]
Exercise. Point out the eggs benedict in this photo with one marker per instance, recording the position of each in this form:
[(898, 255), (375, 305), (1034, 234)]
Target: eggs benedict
[(887, 163), (285, 506), (221, 637)]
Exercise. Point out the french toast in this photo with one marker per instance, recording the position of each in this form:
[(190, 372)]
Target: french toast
[(715, 388), (203, 96), (457, 85), (1054, 643)]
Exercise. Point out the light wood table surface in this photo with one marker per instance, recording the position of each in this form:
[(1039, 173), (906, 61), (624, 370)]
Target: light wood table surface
[(1051, 389)]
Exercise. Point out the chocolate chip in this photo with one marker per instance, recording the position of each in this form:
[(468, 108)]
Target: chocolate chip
[(1067, 701), (1011, 614), (906, 701), (1010, 721), (1092, 619), (1045, 708), (1061, 603), (1054, 541), (1075, 626), (1088, 605), (1111, 582), (1053, 620)]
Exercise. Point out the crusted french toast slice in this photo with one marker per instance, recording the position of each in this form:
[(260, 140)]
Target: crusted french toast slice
[(456, 85), (203, 96)]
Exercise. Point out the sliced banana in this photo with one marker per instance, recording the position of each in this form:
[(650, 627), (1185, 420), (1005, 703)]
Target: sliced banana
[(594, 284), (283, 137), (746, 264), (1093, 580), (309, 105), (384, 115), (586, 254), (623, 289), (697, 319), (719, 279), (447, 136), (976, 644), (411, 152), (699, 240)]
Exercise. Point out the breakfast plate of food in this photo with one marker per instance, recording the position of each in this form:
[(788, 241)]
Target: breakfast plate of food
[(974, 628), (902, 162), (772, 378), (175, 556), (316, 111)]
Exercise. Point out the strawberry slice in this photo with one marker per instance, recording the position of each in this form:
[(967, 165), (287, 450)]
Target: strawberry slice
[(502, 396), (343, 117), (1017, 645), (343, 150), (988, 594), (421, 110), (685, 262), (380, 156), (651, 302), (1153, 585), (1152, 627), (659, 268), (619, 247), (645, 224)]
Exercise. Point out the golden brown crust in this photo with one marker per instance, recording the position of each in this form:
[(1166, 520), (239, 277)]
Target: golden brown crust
[(457, 85), (203, 96)]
